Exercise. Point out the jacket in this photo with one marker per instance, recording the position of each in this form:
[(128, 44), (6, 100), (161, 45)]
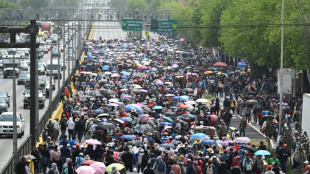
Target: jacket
[(243, 124)]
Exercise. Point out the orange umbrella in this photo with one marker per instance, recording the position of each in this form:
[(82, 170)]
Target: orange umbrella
[(208, 72)]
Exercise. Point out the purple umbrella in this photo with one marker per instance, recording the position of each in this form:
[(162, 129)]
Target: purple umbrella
[(159, 82), (242, 140), (143, 91), (127, 96), (143, 116), (226, 142)]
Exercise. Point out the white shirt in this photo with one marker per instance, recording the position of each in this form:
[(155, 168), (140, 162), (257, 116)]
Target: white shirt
[(71, 124)]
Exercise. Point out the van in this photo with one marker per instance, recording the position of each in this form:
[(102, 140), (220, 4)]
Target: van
[(54, 66)]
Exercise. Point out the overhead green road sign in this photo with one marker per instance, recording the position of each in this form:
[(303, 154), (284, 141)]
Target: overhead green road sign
[(164, 26), (132, 25)]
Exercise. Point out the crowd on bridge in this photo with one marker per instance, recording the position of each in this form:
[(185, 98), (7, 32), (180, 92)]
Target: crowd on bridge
[(162, 107)]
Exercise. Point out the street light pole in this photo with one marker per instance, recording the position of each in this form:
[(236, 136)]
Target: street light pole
[(14, 112), (64, 57), (281, 72)]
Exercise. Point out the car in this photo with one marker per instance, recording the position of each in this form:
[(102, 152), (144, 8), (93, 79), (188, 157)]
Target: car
[(24, 66), (20, 54), (6, 124), (11, 50), (27, 60), (40, 97), (1, 64), (206, 130), (6, 96), (47, 78), (3, 53), (23, 78), (3, 105), (41, 69), (55, 52)]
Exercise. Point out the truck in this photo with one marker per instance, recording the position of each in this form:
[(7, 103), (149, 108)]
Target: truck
[(305, 122), (8, 67), (27, 99), (46, 28)]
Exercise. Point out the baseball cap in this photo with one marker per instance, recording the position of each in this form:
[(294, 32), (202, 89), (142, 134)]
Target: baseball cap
[(306, 162)]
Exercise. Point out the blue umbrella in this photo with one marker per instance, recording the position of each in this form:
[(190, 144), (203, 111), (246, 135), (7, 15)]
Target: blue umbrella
[(189, 116), (184, 98), (166, 123), (128, 137), (168, 119), (169, 145), (138, 109), (198, 136), (175, 142), (176, 97), (265, 112), (208, 142), (157, 107), (262, 152), (126, 118), (98, 111), (159, 83)]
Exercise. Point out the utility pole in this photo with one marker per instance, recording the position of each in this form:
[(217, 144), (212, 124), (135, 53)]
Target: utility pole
[(281, 72), (59, 53), (64, 57), (14, 110)]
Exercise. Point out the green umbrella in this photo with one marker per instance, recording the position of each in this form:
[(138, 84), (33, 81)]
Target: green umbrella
[(117, 165)]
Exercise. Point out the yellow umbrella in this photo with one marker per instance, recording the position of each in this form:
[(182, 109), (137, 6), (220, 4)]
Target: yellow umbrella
[(208, 72), (219, 73)]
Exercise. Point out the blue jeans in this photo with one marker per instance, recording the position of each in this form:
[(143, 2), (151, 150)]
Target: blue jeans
[(242, 131), (63, 132), (283, 164), (71, 134)]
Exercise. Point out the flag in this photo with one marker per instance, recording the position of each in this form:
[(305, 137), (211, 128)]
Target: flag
[(211, 134)]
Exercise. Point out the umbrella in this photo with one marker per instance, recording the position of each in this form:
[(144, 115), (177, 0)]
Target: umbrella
[(262, 152), (158, 82), (226, 142), (198, 136), (113, 104), (213, 117), (208, 142), (169, 113), (166, 145), (143, 116), (182, 106), (30, 157), (93, 142), (168, 119), (85, 72), (189, 116), (220, 64), (120, 121), (190, 103), (134, 143), (142, 67), (188, 89), (88, 162), (126, 118), (99, 167), (117, 165), (143, 91), (127, 96), (166, 123), (145, 127), (208, 72), (184, 98), (202, 100), (104, 115), (169, 95), (128, 137), (265, 112), (138, 108), (98, 111), (157, 107), (242, 140), (106, 125), (251, 102), (248, 147), (85, 170), (147, 119)]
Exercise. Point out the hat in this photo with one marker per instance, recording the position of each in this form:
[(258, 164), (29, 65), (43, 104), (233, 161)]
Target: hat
[(156, 145), (181, 145), (77, 119), (109, 145), (165, 133), (269, 167), (210, 150), (235, 158), (81, 154), (306, 162), (110, 133), (87, 157), (133, 110), (284, 145), (197, 141), (140, 150), (77, 145), (222, 123), (189, 160), (150, 133), (117, 128)]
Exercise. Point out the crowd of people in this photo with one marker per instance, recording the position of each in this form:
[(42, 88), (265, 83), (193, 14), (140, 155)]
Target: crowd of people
[(143, 106)]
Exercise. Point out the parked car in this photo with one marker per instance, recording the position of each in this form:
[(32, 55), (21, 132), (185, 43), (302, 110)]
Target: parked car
[(24, 66), (6, 124)]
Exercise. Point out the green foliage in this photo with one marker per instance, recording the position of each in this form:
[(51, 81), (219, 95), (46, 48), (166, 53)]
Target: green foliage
[(6, 4), (136, 4), (33, 3), (67, 3)]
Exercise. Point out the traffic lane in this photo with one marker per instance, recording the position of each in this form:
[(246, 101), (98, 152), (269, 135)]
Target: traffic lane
[(108, 30), (249, 132)]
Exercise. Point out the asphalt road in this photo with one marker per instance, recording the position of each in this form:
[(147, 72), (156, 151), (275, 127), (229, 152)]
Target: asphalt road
[(6, 142)]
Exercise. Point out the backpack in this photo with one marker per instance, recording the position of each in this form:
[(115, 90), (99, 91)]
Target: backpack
[(248, 166), (57, 156), (51, 172), (194, 169), (210, 169), (161, 166)]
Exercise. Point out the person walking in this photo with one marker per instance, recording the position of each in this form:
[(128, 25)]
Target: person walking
[(71, 126), (159, 166), (242, 126), (148, 169)]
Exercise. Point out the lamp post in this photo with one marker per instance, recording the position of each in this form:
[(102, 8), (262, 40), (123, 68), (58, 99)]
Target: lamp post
[(281, 73)]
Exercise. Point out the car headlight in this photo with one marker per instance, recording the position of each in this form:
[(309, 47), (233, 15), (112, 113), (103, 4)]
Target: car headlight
[(0, 126)]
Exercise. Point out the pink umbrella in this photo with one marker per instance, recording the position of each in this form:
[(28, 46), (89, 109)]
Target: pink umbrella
[(143, 116), (114, 75), (190, 103), (169, 95), (242, 140), (124, 90), (148, 119), (142, 67), (127, 96), (213, 117), (226, 142), (140, 104), (143, 90), (85, 170), (98, 167), (93, 142)]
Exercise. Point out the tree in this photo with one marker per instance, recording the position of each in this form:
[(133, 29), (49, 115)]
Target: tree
[(33, 3), (136, 4)]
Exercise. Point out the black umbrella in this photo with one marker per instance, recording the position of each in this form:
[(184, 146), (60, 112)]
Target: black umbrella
[(146, 128), (248, 147), (106, 125), (249, 102)]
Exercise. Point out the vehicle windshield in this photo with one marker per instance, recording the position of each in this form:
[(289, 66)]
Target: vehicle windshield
[(3, 94), (52, 67), (8, 117), (24, 75), (23, 63), (19, 52), (40, 65), (2, 100)]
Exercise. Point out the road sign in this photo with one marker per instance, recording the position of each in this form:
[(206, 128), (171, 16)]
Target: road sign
[(164, 26), (132, 25)]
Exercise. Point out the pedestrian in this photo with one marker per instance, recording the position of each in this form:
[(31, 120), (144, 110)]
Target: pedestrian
[(247, 165), (307, 167), (53, 169), (129, 160), (148, 169), (20, 167), (242, 126), (71, 126), (63, 126), (269, 170), (284, 154), (36, 161), (176, 168), (159, 166)]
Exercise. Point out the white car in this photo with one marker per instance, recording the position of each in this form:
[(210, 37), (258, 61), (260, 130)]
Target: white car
[(6, 124)]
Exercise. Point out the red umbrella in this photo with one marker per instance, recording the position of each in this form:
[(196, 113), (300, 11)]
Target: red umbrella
[(220, 64), (140, 80), (88, 162), (181, 40), (148, 119), (182, 106)]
